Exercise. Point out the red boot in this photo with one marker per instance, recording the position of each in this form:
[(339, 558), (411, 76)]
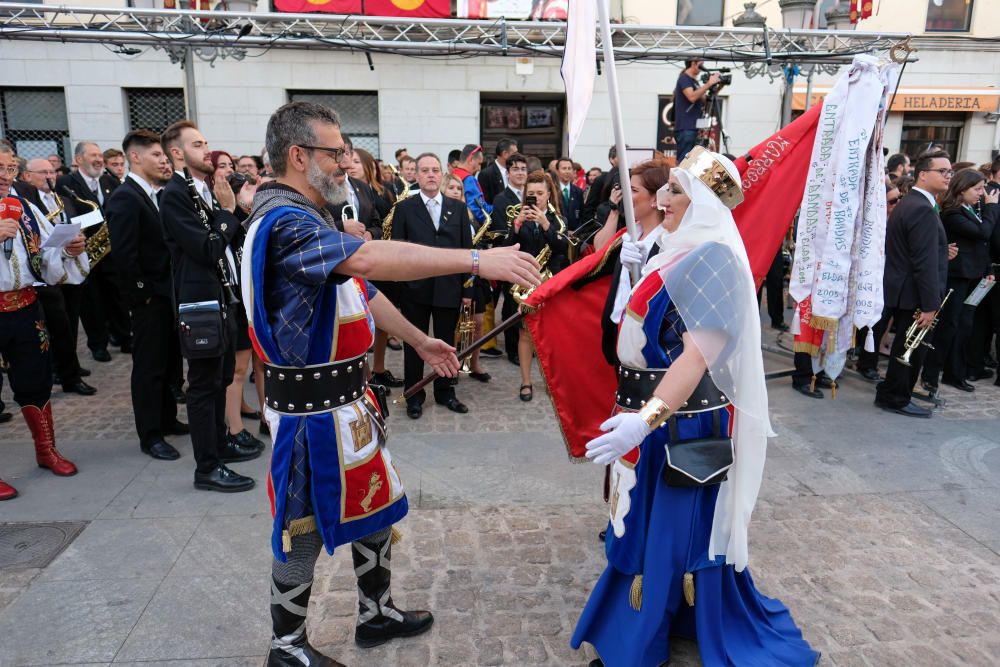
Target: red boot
[(42, 431), (7, 491)]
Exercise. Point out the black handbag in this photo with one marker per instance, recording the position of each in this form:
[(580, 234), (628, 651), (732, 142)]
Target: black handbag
[(200, 328), (699, 462)]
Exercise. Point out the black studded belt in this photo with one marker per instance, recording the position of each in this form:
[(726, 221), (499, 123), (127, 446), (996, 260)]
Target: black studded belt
[(309, 390), (636, 385)]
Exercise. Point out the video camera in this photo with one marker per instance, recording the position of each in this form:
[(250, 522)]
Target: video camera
[(725, 75)]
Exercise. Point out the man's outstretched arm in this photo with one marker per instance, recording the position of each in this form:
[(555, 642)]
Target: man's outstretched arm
[(398, 261)]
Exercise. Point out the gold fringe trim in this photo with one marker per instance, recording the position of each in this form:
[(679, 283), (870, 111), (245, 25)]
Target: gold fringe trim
[(635, 594), (812, 384), (809, 348), (689, 588), (824, 323), (302, 526), (397, 536), (833, 391), (286, 542)]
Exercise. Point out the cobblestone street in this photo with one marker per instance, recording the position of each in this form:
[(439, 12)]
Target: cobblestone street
[(879, 532)]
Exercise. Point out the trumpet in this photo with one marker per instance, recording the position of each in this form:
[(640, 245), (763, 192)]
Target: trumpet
[(463, 336), (915, 336), (521, 293)]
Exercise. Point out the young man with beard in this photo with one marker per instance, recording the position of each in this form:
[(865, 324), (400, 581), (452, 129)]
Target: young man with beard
[(204, 271), (313, 311)]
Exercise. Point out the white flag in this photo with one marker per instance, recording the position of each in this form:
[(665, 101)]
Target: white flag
[(579, 65)]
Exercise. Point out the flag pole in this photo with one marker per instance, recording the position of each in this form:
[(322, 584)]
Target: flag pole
[(616, 123)]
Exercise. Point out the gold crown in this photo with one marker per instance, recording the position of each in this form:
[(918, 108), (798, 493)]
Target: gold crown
[(702, 165)]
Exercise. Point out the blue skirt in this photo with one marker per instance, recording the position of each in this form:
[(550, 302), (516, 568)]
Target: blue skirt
[(666, 535)]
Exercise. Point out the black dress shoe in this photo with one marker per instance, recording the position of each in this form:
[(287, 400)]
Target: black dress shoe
[(161, 450), (102, 355), (177, 428), (824, 380), (482, 377), (85, 372), (602, 535), (514, 359), (383, 628), (264, 428), (246, 440), (79, 387), (5, 417), (780, 326), (393, 344), (222, 479), (804, 390), (961, 385), (454, 405), (178, 395), (871, 375), (984, 374), (596, 663), (233, 452), (414, 411), (492, 352), (908, 410), (386, 379)]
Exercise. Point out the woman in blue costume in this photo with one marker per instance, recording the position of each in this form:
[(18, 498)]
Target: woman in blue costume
[(689, 350)]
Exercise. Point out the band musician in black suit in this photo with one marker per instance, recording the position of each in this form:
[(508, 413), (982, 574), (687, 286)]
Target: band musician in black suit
[(204, 271), (506, 206), (431, 219), (494, 177), (916, 272), (366, 222), (98, 303), (571, 197), (144, 272)]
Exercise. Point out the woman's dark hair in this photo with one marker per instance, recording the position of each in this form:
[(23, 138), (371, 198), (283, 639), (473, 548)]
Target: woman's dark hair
[(960, 182), (371, 170), (653, 174)]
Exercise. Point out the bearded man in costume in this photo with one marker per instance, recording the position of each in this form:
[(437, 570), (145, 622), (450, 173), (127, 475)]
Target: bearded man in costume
[(313, 314), (690, 379)]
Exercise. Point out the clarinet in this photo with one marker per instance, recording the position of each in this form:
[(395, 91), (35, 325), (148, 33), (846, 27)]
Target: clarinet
[(204, 213)]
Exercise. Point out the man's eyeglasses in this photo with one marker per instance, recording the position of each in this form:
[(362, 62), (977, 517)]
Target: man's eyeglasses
[(335, 153), (947, 173), (10, 171)]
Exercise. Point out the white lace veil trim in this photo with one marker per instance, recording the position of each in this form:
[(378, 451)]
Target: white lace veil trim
[(707, 274)]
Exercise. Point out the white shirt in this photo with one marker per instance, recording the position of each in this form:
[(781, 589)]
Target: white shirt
[(146, 187), (352, 196), (95, 186), (503, 173), (435, 211), (49, 199), (929, 196)]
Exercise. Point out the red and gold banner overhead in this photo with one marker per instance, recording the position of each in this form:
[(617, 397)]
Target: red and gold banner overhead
[(427, 9), (324, 6)]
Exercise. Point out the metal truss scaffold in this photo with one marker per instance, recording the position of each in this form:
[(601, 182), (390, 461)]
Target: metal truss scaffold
[(426, 37)]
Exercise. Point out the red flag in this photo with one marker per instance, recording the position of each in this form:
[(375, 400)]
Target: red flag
[(773, 182), (428, 9), (566, 327), (321, 6), (567, 336), (866, 8), (855, 10)]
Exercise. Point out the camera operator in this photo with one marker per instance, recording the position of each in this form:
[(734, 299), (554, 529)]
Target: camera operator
[(688, 101)]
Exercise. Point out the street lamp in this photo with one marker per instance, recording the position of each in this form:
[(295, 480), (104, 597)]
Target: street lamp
[(838, 17), (749, 18), (797, 14)]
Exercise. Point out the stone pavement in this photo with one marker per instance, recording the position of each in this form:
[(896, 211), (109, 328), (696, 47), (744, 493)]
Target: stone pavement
[(879, 532)]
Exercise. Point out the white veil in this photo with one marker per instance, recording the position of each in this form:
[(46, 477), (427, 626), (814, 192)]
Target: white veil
[(705, 269)]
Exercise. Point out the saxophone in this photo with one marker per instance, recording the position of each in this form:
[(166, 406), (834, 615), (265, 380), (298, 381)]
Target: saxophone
[(521, 293), (60, 207), (98, 244)]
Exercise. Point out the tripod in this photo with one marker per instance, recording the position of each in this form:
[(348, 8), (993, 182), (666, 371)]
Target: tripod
[(713, 137)]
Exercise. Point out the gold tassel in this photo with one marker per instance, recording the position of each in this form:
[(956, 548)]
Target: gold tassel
[(812, 384), (833, 391), (824, 323), (397, 536), (635, 595), (286, 541), (689, 588)]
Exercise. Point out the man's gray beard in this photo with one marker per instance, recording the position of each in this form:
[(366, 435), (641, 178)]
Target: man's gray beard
[(329, 189)]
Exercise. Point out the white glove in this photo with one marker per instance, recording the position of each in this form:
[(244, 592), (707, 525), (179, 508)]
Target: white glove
[(632, 254), (623, 433)]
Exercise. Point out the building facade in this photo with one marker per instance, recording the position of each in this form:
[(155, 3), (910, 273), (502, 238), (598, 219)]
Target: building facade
[(53, 95)]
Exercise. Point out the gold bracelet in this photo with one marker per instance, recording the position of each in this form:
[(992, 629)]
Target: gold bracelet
[(655, 412)]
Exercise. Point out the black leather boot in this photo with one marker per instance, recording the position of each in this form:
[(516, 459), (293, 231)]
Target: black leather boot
[(289, 645), (378, 618)]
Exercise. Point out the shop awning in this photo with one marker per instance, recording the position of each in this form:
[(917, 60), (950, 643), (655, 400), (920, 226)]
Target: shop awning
[(955, 100)]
